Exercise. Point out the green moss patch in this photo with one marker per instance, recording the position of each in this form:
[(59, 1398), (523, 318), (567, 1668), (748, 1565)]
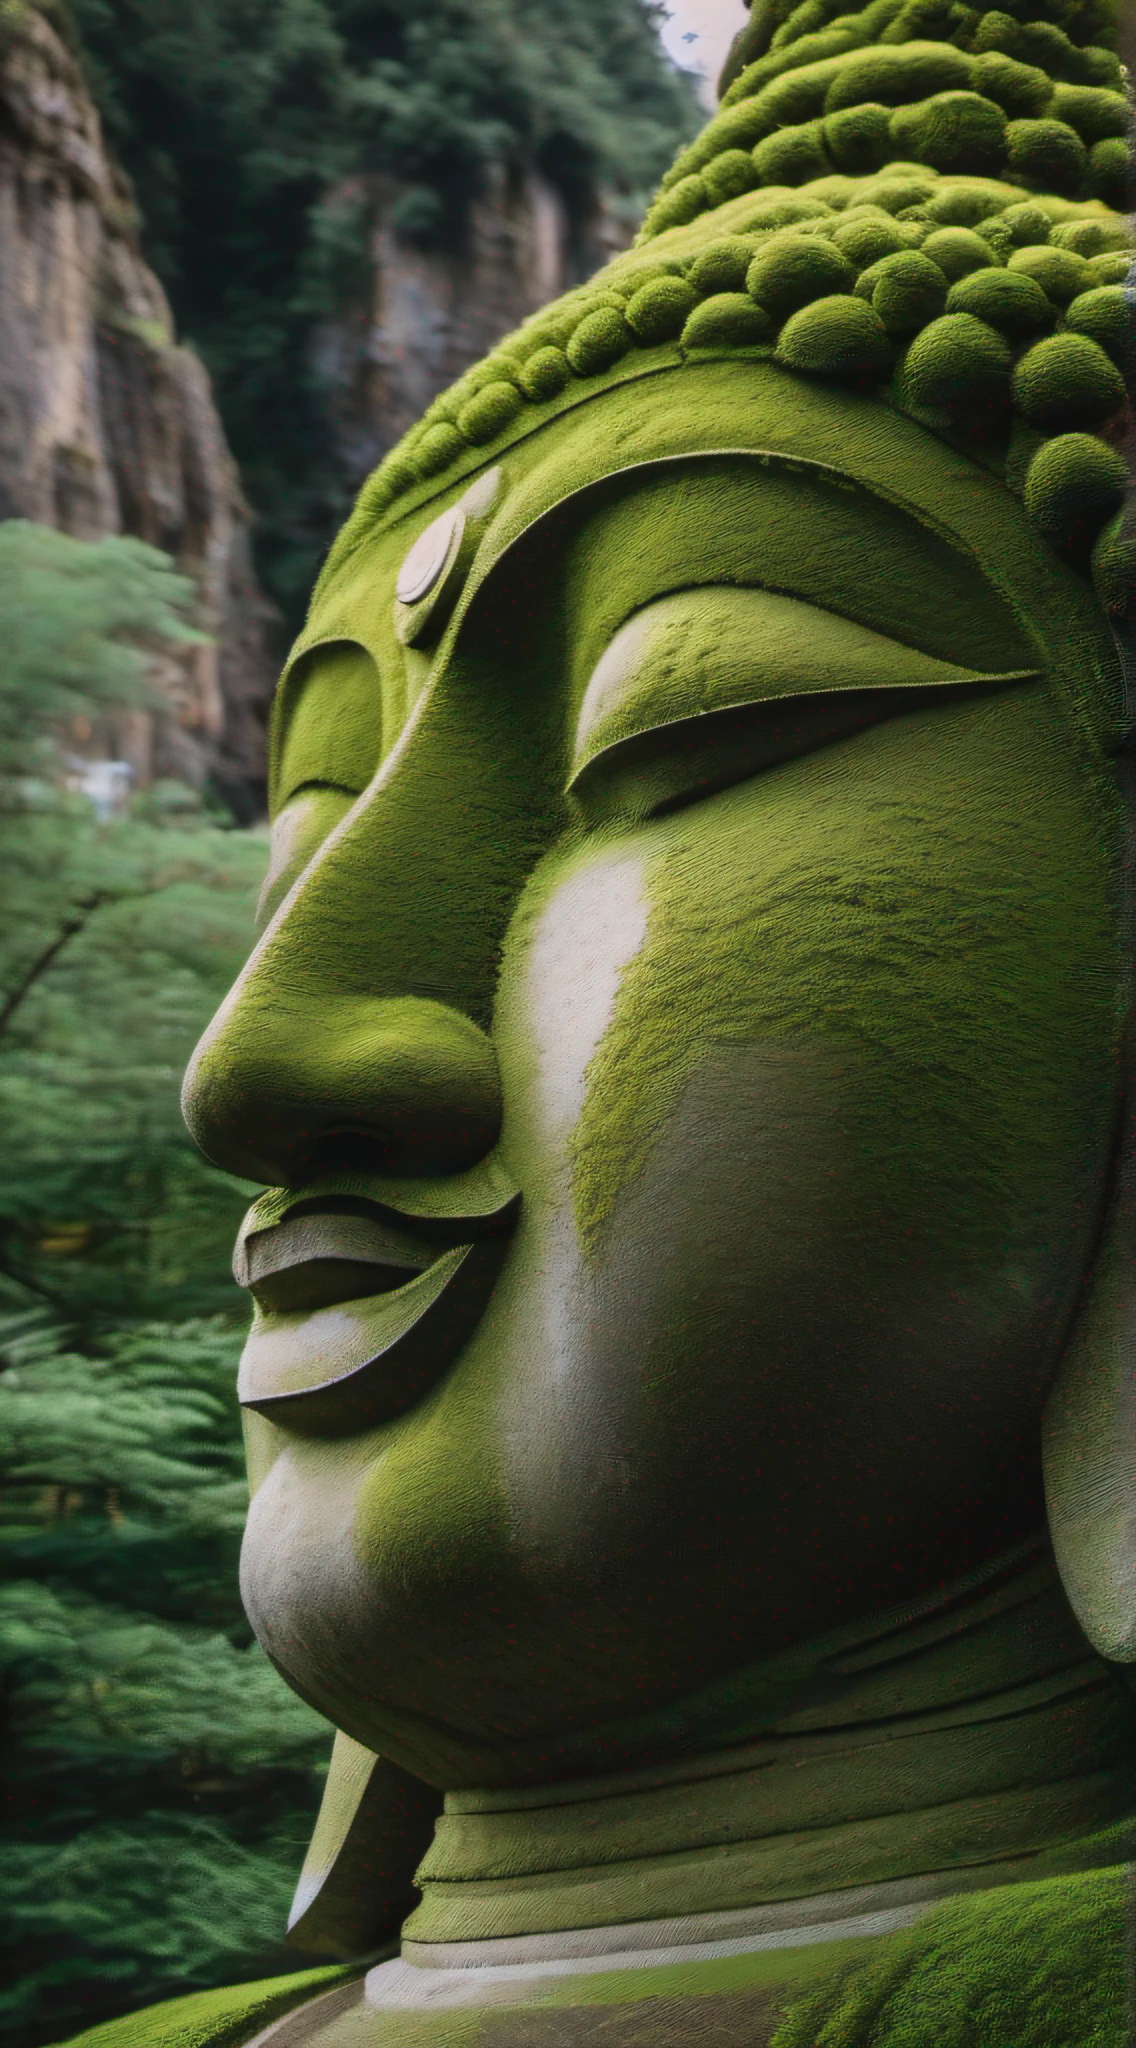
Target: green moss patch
[(1035, 1966)]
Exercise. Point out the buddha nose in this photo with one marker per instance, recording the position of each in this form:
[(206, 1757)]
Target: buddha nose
[(276, 1088), (360, 1022), (352, 1026)]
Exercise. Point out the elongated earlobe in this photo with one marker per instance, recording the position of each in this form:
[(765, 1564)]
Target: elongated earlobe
[(374, 1826), (1089, 1436)]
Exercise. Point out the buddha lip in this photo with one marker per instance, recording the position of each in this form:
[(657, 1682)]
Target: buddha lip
[(481, 1202), (358, 1314), (316, 1258)]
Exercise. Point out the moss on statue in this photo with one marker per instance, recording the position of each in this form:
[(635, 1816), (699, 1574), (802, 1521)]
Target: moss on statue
[(810, 505), (1040, 1965), (999, 145), (226, 2018)]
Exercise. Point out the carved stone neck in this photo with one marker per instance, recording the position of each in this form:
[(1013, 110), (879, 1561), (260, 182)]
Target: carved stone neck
[(975, 1735)]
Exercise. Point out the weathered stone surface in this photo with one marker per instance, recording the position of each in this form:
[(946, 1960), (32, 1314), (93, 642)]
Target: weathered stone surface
[(434, 311), (107, 426)]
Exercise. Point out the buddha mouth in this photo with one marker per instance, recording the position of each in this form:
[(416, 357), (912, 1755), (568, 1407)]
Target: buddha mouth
[(362, 1305)]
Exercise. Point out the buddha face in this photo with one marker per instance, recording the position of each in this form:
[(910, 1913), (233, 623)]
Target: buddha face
[(685, 1031)]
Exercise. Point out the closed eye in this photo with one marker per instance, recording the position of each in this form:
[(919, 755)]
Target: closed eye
[(669, 766), (707, 687), (298, 831), (326, 722)]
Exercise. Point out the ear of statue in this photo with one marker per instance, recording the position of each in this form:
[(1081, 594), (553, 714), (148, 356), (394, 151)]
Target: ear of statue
[(374, 1826), (1089, 1435)]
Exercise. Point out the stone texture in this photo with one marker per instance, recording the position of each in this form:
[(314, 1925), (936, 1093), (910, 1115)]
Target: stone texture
[(433, 312), (107, 426)]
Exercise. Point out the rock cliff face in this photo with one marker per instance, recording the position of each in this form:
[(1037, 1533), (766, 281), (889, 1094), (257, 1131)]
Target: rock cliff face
[(106, 426), (432, 312)]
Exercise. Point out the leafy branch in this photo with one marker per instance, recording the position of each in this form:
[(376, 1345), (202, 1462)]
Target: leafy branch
[(76, 922)]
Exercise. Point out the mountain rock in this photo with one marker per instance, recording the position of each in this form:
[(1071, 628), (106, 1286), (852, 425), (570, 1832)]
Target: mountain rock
[(108, 426), (433, 310)]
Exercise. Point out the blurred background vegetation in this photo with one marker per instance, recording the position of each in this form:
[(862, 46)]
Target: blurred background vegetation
[(161, 1779), (159, 1776)]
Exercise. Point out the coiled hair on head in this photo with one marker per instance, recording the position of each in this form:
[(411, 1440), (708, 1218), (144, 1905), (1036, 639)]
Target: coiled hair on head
[(920, 199)]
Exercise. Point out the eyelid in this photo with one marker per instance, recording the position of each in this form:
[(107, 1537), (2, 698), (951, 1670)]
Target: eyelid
[(313, 785), (327, 721), (662, 768), (722, 648)]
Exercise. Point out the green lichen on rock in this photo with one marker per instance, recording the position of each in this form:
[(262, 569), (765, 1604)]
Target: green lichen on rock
[(735, 171), (722, 267), (1109, 173), (836, 337), (659, 311), (1040, 1965), (1061, 273), (1045, 153), (1104, 314), (959, 366), (1114, 568), (952, 131), (1029, 225), (796, 270), (545, 374), (868, 234), (1092, 110), (727, 320), (1092, 238), (489, 412), (958, 252), (858, 139), (600, 339), (906, 291), (439, 447), (1021, 90), (1005, 299)]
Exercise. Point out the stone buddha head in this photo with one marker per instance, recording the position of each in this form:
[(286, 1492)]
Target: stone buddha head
[(685, 1044)]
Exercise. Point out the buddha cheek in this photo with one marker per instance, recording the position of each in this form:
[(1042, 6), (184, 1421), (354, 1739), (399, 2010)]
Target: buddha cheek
[(839, 1156), (583, 923), (525, 1431), (728, 1196)]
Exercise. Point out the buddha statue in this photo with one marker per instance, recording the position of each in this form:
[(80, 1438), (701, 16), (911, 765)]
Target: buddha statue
[(689, 1397)]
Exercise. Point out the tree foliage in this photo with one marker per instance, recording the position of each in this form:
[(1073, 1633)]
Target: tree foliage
[(160, 1778), (117, 939), (248, 125), (116, 942), (77, 616)]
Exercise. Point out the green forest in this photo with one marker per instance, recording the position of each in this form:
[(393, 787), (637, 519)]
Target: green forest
[(161, 1779), (159, 1774)]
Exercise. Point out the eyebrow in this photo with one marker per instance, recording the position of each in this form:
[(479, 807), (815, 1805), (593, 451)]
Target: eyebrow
[(795, 530)]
